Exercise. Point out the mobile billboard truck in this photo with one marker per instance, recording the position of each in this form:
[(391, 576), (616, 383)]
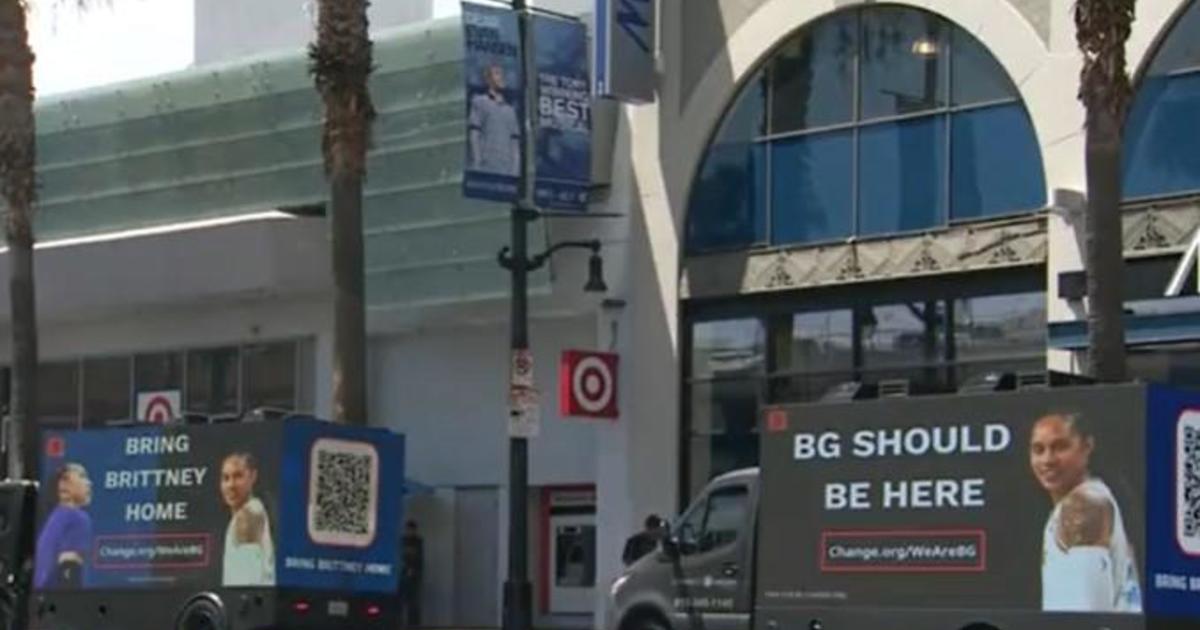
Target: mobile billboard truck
[(283, 524), (1060, 509)]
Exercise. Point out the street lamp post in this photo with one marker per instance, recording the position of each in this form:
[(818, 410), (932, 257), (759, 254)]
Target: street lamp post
[(517, 589)]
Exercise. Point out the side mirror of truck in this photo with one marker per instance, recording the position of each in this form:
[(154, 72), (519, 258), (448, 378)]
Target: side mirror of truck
[(677, 542), (670, 544)]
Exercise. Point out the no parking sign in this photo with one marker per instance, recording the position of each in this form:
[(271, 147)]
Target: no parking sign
[(587, 384)]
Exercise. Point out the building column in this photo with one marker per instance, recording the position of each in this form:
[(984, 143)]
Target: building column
[(637, 457), (323, 368)]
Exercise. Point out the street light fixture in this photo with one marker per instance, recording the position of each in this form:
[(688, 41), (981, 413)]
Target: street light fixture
[(595, 282), (514, 258)]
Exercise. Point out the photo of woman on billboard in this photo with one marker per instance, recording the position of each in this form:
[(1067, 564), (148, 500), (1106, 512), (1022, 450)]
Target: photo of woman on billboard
[(65, 542), (249, 558), (1088, 562)]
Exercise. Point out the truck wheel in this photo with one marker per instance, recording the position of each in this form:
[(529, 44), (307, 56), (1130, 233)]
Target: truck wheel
[(203, 612), (646, 622)]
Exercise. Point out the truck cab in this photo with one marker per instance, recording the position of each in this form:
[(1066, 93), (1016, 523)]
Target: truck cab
[(702, 573)]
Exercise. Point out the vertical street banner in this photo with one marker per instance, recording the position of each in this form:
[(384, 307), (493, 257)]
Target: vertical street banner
[(563, 125), (495, 88), (626, 35)]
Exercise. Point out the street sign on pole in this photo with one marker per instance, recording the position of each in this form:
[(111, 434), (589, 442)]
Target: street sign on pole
[(524, 412), (626, 36)]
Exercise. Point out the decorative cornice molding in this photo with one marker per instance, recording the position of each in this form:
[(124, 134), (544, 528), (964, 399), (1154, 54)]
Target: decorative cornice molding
[(1160, 228), (999, 244)]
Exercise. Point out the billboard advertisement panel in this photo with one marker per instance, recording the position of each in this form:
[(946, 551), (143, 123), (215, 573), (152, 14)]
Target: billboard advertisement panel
[(495, 88), (296, 503), (563, 125), (1025, 501), (1173, 493)]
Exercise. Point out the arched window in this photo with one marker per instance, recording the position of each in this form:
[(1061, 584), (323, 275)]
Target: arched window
[(1163, 129), (867, 122)]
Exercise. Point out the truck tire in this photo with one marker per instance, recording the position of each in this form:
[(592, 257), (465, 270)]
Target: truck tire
[(645, 622), (202, 612)]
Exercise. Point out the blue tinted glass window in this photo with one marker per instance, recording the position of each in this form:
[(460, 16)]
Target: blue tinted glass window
[(810, 187), (747, 119), (813, 76), (870, 121), (903, 57), (902, 178), (728, 206), (1181, 50), (728, 202), (1162, 134), (996, 166), (976, 76)]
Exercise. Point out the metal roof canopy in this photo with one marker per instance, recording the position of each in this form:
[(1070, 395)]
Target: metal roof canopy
[(239, 138)]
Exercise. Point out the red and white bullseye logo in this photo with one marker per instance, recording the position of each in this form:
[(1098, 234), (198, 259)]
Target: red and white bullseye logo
[(588, 384), (158, 410), (158, 407)]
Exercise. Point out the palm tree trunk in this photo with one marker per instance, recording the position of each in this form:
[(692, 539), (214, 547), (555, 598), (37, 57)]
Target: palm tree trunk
[(1101, 29), (1105, 248), (350, 348), (341, 65), (17, 158)]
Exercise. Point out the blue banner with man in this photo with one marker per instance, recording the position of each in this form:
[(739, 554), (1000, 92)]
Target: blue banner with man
[(563, 126), (495, 89)]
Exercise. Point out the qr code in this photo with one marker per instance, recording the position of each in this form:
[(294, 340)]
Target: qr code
[(1191, 482), (343, 492)]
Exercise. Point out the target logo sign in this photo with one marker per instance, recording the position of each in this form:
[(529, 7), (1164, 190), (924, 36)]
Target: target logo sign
[(588, 384), (158, 407)]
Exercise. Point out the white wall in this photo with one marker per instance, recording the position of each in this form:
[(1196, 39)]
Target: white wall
[(446, 390)]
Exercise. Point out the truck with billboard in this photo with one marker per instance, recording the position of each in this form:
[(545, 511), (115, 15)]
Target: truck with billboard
[(1053, 508), (285, 524)]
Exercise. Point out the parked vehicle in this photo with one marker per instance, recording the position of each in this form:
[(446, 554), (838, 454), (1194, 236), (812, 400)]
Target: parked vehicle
[(1051, 508), (282, 524)]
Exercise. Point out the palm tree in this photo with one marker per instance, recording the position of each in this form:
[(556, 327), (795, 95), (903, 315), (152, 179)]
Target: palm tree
[(17, 157), (1101, 29), (341, 65)]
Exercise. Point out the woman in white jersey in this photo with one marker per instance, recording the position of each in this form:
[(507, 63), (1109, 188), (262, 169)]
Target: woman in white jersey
[(1088, 562)]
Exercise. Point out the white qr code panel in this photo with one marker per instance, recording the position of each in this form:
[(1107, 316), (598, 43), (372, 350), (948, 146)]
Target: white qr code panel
[(1187, 482), (343, 492)]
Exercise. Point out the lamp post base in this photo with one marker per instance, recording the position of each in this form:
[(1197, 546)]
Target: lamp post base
[(517, 609)]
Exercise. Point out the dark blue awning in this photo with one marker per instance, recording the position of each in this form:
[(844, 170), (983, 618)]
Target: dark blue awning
[(1147, 322)]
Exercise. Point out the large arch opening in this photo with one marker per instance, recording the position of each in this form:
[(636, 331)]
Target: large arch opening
[(865, 123), (873, 124)]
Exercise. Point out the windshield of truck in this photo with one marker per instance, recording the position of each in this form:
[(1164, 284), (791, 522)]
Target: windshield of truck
[(714, 522)]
